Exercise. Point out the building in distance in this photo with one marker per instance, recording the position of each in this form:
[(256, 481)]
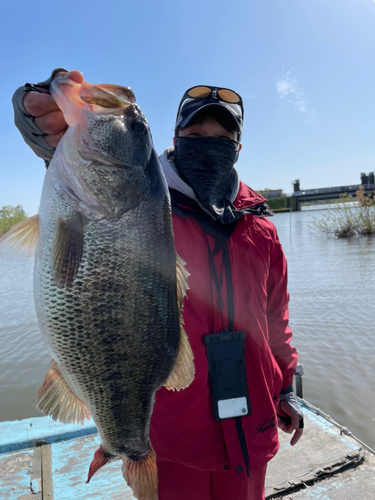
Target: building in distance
[(271, 193)]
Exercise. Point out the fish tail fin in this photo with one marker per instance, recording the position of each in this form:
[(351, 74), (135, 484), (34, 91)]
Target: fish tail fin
[(182, 374), (22, 237), (100, 458), (142, 476), (55, 398)]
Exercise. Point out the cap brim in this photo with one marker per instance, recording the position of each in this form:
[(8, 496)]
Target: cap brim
[(220, 108)]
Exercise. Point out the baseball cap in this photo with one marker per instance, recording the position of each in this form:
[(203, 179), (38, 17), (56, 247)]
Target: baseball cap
[(225, 105)]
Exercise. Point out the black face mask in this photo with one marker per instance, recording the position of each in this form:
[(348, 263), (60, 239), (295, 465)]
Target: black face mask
[(207, 165)]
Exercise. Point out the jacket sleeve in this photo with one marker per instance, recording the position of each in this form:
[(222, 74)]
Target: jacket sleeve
[(280, 334), (25, 122)]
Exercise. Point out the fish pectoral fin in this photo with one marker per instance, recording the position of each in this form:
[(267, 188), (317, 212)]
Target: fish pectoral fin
[(94, 95), (182, 374), (142, 476), (67, 249), (56, 399), (22, 237)]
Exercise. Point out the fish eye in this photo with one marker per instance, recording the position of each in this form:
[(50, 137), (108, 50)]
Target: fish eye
[(139, 127)]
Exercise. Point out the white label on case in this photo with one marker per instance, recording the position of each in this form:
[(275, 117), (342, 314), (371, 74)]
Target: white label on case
[(236, 407)]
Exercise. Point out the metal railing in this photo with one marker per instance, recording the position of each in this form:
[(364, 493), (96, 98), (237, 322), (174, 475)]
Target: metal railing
[(298, 380)]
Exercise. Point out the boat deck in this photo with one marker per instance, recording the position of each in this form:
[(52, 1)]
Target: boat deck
[(41, 459), (328, 463)]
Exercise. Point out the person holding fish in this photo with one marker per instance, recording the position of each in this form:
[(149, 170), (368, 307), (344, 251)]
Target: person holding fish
[(214, 438)]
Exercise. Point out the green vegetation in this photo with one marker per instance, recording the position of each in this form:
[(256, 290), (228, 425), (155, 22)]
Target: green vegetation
[(346, 220), (10, 216), (282, 203), (277, 203)]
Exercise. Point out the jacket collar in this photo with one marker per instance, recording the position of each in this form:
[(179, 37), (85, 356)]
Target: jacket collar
[(247, 197)]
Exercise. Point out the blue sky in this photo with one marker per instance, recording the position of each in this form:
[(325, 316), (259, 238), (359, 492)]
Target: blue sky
[(305, 69)]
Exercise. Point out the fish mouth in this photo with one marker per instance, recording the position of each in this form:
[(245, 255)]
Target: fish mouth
[(114, 165), (103, 95)]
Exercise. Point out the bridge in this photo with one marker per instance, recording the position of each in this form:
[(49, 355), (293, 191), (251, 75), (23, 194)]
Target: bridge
[(330, 193)]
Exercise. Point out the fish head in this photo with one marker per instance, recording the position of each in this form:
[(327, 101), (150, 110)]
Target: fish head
[(103, 158)]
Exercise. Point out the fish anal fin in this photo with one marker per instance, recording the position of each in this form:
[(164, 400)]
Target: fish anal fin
[(182, 374), (23, 236), (67, 249), (142, 476), (55, 398)]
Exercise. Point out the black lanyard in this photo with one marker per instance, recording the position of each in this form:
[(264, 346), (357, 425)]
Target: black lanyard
[(221, 234)]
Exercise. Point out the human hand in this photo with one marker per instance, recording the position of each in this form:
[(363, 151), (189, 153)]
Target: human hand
[(47, 115), (290, 416)]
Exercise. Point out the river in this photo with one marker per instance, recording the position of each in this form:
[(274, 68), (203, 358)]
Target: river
[(332, 313)]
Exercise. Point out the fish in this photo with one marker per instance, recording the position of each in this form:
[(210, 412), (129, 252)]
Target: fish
[(108, 284)]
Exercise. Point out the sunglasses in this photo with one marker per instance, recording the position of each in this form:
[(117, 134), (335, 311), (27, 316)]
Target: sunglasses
[(222, 94)]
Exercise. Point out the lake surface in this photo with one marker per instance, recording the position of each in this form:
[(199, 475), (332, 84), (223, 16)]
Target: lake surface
[(332, 289)]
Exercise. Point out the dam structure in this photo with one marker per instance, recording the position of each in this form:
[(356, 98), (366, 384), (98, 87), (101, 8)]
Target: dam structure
[(300, 196)]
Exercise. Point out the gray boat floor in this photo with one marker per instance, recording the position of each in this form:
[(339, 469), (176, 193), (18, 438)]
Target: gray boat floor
[(41, 459), (326, 464)]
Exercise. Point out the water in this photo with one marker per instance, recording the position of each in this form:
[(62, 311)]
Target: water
[(332, 316), (23, 356)]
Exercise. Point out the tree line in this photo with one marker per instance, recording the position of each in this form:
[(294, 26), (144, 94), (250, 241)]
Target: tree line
[(10, 216)]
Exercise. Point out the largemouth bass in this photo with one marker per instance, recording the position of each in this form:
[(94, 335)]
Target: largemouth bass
[(108, 285)]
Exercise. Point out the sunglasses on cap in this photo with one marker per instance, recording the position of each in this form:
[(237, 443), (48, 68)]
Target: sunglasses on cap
[(222, 94)]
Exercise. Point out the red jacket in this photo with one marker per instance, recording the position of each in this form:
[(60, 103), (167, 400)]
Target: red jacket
[(183, 429)]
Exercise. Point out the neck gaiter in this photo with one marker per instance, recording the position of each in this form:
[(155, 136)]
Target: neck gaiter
[(207, 165)]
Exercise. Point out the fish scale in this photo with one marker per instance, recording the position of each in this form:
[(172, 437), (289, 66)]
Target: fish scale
[(117, 324)]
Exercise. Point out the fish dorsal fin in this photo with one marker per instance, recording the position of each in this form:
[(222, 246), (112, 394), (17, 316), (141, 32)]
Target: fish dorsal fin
[(67, 249), (23, 236), (56, 399), (182, 374), (93, 94)]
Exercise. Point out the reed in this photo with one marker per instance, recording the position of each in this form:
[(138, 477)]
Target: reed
[(345, 220)]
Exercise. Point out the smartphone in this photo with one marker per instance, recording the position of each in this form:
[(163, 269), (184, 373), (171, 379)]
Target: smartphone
[(227, 371)]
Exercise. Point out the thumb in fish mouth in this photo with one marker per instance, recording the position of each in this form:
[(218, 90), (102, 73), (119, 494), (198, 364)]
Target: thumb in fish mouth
[(75, 76), (92, 94)]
